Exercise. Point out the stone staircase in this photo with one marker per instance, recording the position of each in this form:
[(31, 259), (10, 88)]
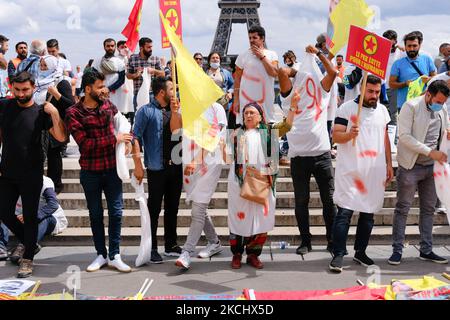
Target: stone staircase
[(79, 234)]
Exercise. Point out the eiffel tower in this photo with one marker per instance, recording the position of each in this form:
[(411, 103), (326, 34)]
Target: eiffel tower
[(233, 11)]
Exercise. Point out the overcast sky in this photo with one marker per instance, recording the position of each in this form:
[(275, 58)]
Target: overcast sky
[(290, 24)]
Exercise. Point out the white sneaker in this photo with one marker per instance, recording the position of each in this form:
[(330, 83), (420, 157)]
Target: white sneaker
[(184, 261), (211, 250), (118, 264), (98, 263)]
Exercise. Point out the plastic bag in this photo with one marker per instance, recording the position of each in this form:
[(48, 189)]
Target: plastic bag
[(121, 125), (143, 96), (442, 179), (146, 232)]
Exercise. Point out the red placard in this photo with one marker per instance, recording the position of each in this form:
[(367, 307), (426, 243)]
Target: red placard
[(171, 9), (368, 51)]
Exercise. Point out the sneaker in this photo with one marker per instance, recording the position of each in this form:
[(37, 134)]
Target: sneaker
[(25, 269), (361, 258), (441, 210), (155, 257), (17, 254), (3, 253), (304, 248), (336, 265), (118, 264), (433, 257), (236, 262), (395, 259), (184, 261), (211, 250), (175, 251), (97, 264)]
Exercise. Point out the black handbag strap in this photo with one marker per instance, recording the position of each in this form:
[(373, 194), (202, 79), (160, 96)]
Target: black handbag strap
[(416, 68)]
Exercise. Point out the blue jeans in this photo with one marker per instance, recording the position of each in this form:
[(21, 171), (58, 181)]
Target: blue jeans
[(93, 184), (340, 231), (46, 227), (4, 236)]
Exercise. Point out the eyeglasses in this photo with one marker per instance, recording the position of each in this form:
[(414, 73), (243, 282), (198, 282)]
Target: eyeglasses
[(199, 59)]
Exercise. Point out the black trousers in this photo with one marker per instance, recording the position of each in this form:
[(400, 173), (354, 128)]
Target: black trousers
[(30, 191), (165, 184), (55, 166), (302, 168)]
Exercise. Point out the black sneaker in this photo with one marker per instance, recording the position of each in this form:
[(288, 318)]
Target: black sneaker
[(304, 248), (395, 259), (336, 265), (155, 257), (175, 251), (433, 257), (361, 258)]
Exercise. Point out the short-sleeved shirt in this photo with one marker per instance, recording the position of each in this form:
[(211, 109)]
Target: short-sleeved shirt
[(256, 84), (136, 62), (21, 131), (404, 71)]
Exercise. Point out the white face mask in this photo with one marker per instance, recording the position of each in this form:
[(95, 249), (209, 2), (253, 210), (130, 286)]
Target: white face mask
[(215, 65)]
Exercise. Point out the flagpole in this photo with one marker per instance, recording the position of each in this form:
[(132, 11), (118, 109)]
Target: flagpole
[(174, 72), (361, 100)]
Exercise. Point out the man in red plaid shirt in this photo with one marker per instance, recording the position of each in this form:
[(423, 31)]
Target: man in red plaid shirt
[(91, 123)]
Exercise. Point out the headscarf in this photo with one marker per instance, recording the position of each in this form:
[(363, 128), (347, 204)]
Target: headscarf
[(47, 78), (265, 132)]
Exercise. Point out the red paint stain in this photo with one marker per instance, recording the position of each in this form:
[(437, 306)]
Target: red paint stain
[(193, 146), (203, 170), (368, 154), (360, 185), (241, 215), (187, 181), (354, 119), (266, 209)]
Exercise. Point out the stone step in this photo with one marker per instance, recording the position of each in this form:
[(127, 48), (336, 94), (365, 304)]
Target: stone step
[(283, 185), (381, 235), (72, 201), (283, 218)]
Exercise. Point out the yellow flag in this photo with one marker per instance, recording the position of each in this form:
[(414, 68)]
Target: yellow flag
[(342, 16), (197, 93), (415, 89)]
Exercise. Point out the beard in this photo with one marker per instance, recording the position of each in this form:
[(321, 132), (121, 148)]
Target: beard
[(25, 99), (148, 54), (412, 54), (109, 54), (372, 103), (97, 98)]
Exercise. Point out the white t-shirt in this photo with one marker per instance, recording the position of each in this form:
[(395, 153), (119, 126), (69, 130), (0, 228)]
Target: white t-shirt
[(65, 65), (256, 84), (398, 54), (443, 76), (361, 170), (309, 135), (79, 77)]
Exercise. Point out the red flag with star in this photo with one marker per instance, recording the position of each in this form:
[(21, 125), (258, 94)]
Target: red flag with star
[(171, 10), (131, 31)]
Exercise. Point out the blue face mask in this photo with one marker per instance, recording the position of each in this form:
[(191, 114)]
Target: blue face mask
[(436, 107)]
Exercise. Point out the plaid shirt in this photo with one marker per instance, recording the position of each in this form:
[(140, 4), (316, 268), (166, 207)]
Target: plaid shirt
[(136, 62), (93, 131)]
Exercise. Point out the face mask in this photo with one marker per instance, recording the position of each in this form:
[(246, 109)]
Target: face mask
[(436, 107), (290, 65), (215, 65), (412, 54)]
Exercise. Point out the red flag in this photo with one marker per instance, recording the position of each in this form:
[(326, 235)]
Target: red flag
[(131, 31), (171, 10)]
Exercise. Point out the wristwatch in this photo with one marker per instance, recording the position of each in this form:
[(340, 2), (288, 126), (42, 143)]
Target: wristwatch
[(319, 53)]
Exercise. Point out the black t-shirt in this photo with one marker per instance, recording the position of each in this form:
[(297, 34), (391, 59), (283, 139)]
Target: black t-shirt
[(168, 144), (21, 132)]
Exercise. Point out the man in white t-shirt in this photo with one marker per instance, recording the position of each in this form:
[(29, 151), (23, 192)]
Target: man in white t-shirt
[(256, 70), (53, 49), (309, 144), (78, 78), (396, 53), (363, 169)]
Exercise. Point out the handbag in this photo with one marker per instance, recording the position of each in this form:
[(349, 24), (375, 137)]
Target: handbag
[(256, 186)]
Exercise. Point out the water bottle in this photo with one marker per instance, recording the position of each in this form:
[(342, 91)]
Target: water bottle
[(279, 245)]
